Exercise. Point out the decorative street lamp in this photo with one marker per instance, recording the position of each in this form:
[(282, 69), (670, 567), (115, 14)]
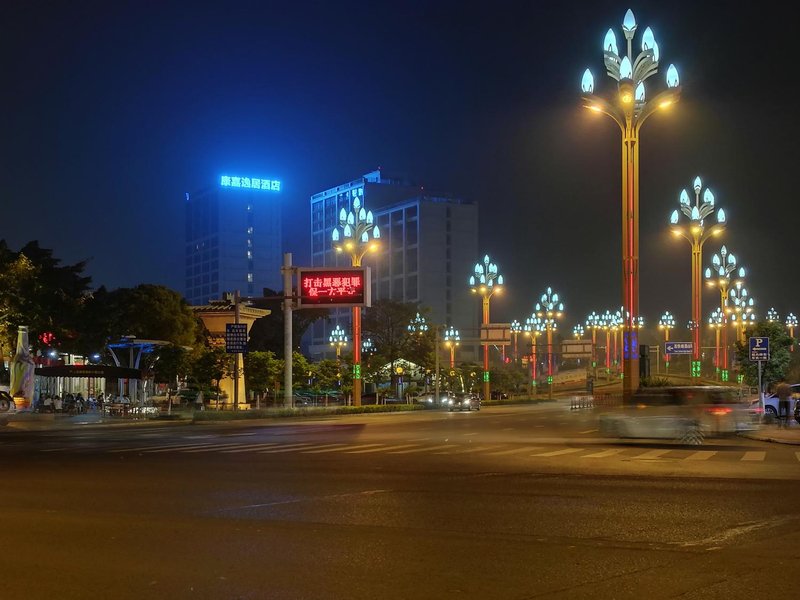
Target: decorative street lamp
[(719, 275), (717, 322), (451, 340), (607, 320), (773, 316), (548, 309), (485, 281), (697, 233), (578, 331), (629, 108), (665, 323), (516, 329), (791, 323), (741, 307), (338, 340), (358, 235), (418, 325), (593, 323), (533, 328), (368, 347)]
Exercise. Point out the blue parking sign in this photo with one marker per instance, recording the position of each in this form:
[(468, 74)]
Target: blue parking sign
[(759, 349)]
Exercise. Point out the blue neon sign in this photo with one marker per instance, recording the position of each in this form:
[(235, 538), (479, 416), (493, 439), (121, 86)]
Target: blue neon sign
[(266, 185)]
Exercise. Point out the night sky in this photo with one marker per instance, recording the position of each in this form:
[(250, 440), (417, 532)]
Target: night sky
[(110, 111)]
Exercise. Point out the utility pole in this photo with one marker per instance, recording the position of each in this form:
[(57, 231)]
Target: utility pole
[(236, 302), (287, 329), (436, 372)]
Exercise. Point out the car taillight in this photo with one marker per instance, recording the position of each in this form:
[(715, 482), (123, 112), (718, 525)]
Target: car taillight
[(719, 411)]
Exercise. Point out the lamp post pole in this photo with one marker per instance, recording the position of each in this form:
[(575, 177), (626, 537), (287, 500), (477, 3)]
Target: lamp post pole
[(719, 275), (486, 281), (533, 328), (791, 323), (358, 235), (665, 323), (629, 108), (593, 323), (696, 233), (452, 339), (516, 329), (548, 309), (717, 321)]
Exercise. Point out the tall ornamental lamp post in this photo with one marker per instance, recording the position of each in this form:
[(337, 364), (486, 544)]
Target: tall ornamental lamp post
[(549, 309), (593, 323), (485, 281), (452, 339), (607, 320), (338, 340), (722, 272), (578, 331), (741, 309), (791, 323), (533, 329), (630, 108), (419, 326), (358, 235), (717, 321), (616, 324), (773, 316), (697, 232), (516, 329), (665, 324)]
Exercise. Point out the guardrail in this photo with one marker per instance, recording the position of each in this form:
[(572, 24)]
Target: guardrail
[(595, 401)]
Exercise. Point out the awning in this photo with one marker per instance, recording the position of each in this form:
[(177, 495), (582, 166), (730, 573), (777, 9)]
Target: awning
[(105, 371)]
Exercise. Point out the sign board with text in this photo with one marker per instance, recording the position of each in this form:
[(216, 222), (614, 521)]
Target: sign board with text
[(678, 347), (236, 338), (496, 334), (333, 287), (576, 349), (759, 349)]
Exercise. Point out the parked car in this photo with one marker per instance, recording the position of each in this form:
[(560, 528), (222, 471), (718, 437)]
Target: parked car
[(463, 401), (771, 402)]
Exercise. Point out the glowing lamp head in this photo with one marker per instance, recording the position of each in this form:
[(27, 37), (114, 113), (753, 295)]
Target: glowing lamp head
[(376, 232), (587, 83), (640, 96), (610, 42), (720, 216), (335, 235), (708, 197), (673, 219), (672, 77), (684, 198), (629, 23), (626, 69)]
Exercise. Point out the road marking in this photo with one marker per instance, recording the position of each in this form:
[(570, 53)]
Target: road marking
[(289, 448), (559, 452), (358, 448), (469, 450), (588, 431), (650, 454), (215, 448), (512, 451), (54, 449), (475, 433), (701, 455), (325, 448), (754, 456), (173, 445), (176, 448), (250, 448), (604, 453), (424, 449), (383, 448)]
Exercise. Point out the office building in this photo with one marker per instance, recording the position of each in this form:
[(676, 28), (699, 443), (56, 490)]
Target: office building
[(429, 245), (233, 238)]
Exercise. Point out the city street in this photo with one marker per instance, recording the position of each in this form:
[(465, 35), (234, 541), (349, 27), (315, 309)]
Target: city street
[(509, 502)]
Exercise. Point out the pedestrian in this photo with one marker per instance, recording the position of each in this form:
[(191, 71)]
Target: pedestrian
[(58, 403), (784, 393)]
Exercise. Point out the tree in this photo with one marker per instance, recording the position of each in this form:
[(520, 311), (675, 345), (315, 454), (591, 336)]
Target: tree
[(773, 370), (172, 363), (263, 372), (209, 367), (266, 334)]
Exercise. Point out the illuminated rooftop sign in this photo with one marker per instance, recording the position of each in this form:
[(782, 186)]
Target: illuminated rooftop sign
[(334, 287), (265, 185)]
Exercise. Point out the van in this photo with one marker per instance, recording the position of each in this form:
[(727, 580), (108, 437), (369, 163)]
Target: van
[(687, 414)]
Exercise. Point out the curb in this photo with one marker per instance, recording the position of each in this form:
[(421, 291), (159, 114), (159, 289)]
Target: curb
[(771, 439)]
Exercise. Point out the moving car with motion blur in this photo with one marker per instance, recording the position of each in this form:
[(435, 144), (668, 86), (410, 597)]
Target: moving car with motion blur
[(686, 414), (463, 401)]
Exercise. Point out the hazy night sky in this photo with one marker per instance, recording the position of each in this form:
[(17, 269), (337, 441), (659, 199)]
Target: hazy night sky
[(110, 111)]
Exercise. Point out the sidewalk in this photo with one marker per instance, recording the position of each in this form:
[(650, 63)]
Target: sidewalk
[(778, 435), (36, 422)]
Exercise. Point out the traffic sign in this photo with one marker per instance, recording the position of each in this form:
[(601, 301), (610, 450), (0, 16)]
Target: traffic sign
[(236, 338), (759, 348), (678, 347)]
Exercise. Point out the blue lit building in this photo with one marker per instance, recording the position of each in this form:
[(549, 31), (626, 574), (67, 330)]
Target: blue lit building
[(429, 244), (233, 238)]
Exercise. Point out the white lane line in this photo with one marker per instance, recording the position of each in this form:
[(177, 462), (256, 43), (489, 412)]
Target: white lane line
[(420, 440), (701, 455), (173, 445), (604, 453), (512, 451), (175, 448), (754, 456), (470, 450), (383, 448), (475, 433), (588, 431), (214, 448), (424, 449), (54, 449), (650, 454), (250, 448), (356, 449), (325, 448), (559, 452), (289, 448)]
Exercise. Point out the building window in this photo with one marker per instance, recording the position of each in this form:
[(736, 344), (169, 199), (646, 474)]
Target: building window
[(250, 254), (411, 212), (249, 278)]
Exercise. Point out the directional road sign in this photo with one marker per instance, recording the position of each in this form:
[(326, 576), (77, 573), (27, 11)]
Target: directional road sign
[(759, 348), (678, 347)]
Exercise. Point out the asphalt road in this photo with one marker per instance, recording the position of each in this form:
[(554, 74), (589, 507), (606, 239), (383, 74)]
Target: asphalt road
[(511, 502)]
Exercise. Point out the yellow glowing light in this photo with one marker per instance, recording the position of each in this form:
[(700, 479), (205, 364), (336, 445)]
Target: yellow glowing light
[(627, 97), (594, 108), (665, 104), (349, 245)]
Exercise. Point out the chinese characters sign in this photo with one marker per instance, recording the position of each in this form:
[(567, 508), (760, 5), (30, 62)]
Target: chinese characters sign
[(334, 287), (236, 338), (266, 185)]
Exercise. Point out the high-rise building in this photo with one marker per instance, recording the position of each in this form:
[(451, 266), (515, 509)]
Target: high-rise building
[(428, 246), (233, 238)]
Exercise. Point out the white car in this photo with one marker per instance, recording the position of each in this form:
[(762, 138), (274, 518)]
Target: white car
[(771, 402)]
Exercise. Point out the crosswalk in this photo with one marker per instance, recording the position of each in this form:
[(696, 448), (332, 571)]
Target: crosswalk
[(429, 447)]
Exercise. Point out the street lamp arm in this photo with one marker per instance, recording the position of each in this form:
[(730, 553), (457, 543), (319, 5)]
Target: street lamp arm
[(663, 99), (598, 104)]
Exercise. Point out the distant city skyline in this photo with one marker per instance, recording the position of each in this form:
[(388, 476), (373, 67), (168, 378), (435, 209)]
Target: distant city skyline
[(114, 112)]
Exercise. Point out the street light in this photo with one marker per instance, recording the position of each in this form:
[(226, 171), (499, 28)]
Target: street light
[(451, 340), (697, 233), (418, 325), (791, 323), (717, 322), (665, 323), (629, 109), (593, 323), (533, 328), (719, 274), (338, 340), (578, 331), (741, 307), (358, 235), (548, 309), (485, 281), (607, 320), (516, 329), (773, 316)]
